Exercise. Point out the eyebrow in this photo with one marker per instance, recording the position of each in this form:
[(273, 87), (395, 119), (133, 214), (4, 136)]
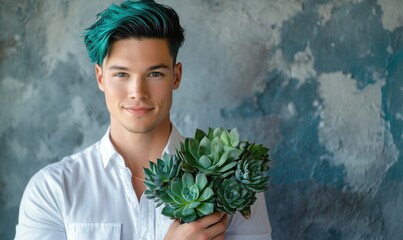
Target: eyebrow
[(116, 67)]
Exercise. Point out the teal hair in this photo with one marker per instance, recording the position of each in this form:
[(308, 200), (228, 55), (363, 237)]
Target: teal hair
[(133, 19)]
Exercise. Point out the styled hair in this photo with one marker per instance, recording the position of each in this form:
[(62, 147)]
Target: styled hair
[(133, 19)]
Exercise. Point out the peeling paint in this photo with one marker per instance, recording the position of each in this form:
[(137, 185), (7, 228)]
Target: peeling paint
[(353, 131), (302, 68), (391, 14)]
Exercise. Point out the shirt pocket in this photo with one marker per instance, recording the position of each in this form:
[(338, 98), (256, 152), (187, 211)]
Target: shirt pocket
[(90, 231)]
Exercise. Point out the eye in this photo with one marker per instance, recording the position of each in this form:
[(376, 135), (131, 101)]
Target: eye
[(155, 74), (121, 75)]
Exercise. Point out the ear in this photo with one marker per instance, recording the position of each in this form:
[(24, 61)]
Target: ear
[(177, 75), (98, 73)]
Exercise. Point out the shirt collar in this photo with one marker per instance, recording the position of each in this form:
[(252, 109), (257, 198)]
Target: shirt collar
[(108, 151)]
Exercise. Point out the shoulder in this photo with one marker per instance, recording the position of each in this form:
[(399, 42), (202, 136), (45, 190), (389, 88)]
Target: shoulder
[(48, 186), (70, 167), (43, 202)]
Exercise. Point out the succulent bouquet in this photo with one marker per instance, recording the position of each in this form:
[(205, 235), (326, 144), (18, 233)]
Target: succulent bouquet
[(213, 171)]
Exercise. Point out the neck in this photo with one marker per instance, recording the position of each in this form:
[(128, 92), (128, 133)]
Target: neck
[(137, 149)]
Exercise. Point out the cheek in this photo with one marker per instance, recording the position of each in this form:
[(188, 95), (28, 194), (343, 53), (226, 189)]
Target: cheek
[(165, 94), (161, 90), (115, 90)]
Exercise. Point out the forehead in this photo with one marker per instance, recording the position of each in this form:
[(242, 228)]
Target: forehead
[(139, 51)]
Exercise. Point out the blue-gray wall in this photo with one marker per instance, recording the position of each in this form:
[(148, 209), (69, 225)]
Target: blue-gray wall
[(318, 81)]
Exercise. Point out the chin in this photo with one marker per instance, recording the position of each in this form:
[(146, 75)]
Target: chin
[(139, 129)]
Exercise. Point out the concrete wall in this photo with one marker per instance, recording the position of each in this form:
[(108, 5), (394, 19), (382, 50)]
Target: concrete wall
[(318, 81)]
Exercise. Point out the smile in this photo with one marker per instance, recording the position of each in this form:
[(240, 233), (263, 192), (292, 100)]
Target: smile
[(139, 111)]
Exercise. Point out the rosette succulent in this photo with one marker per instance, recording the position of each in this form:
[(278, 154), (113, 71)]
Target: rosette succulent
[(214, 153), (233, 196), (160, 175), (189, 198), (252, 167)]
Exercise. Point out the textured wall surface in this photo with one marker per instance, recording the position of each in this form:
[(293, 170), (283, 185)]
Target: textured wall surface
[(318, 81)]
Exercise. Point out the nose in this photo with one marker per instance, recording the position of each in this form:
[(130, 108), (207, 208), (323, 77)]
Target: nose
[(138, 88)]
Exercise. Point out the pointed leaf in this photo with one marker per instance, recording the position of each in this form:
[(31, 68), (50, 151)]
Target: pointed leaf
[(176, 187), (210, 133), (228, 167), (147, 173), (217, 132), (225, 138), (205, 162), (223, 159), (168, 211), (175, 198), (186, 195), (226, 174), (235, 153), (234, 138), (204, 147), (160, 164), (199, 134), (201, 181), (206, 195), (187, 180), (205, 208), (216, 146), (193, 193), (194, 204), (152, 166), (187, 211), (178, 212), (188, 219), (166, 198), (193, 147)]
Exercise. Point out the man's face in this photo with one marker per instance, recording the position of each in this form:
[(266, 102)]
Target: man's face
[(138, 77)]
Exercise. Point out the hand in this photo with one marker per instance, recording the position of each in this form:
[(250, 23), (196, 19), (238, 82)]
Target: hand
[(209, 227)]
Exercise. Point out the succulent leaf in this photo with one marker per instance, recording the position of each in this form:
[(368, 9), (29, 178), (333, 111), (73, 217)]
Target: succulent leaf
[(187, 180), (205, 146), (205, 162), (201, 181), (206, 195), (199, 135), (234, 138), (205, 209), (187, 211)]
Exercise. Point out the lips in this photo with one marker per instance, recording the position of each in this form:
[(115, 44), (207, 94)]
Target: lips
[(139, 111)]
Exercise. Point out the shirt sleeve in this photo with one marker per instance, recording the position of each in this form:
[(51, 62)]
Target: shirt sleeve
[(255, 228), (40, 216)]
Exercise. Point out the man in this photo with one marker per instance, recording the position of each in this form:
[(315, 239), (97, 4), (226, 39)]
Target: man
[(98, 193)]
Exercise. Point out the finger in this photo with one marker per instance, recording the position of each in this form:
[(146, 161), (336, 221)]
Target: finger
[(219, 227), (176, 222), (220, 236), (210, 219)]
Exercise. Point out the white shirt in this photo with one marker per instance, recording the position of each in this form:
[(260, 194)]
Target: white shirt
[(89, 195)]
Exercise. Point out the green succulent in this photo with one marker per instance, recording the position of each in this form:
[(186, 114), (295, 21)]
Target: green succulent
[(253, 167), (213, 171), (160, 175), (214, 153), (229, 139), (189, 198), (232, 196)]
